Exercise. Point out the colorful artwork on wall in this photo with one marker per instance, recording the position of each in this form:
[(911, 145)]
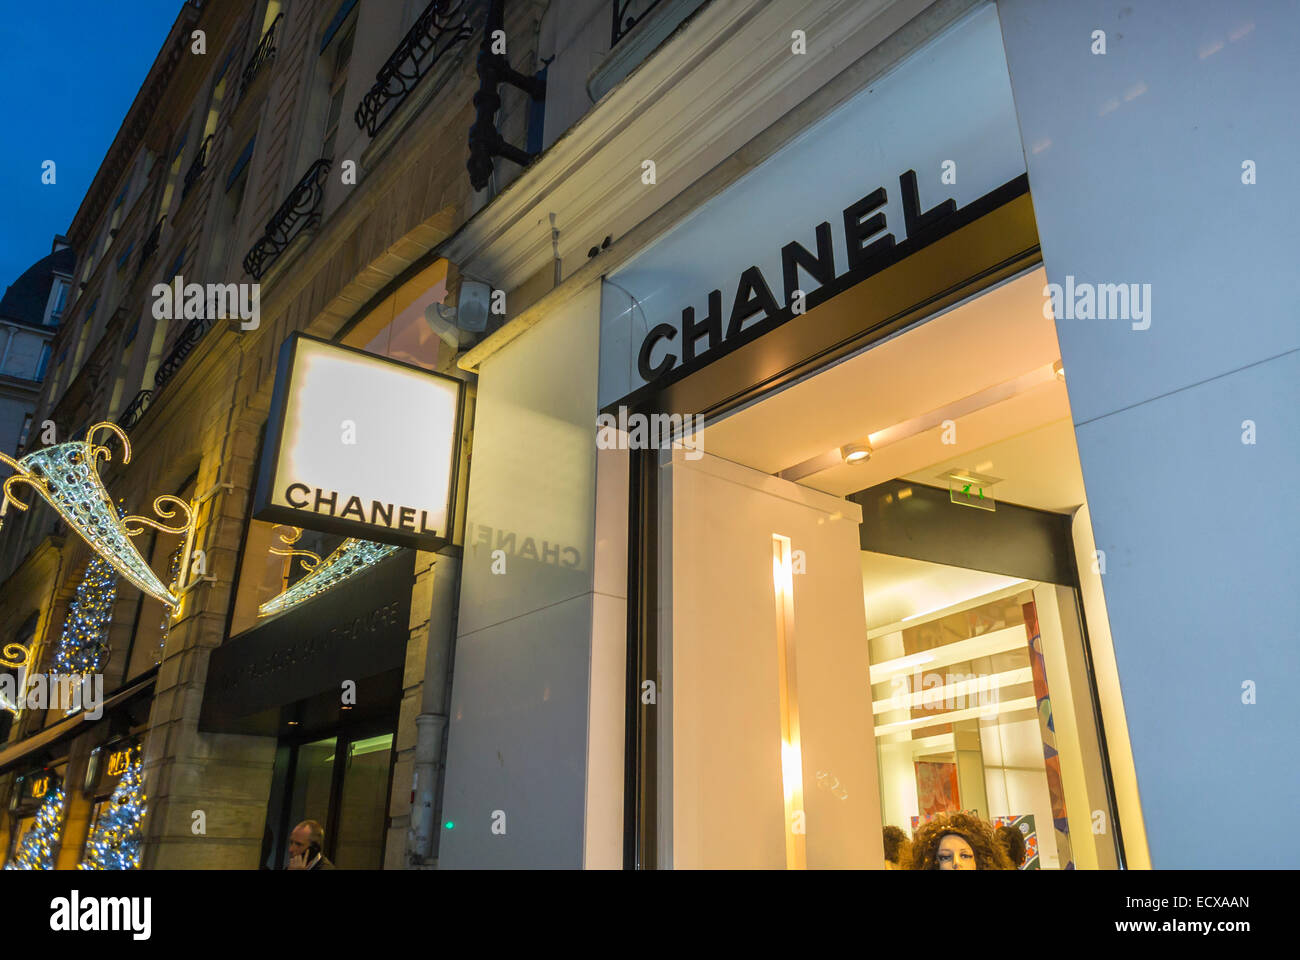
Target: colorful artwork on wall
[(1047, 728), (936, 787), (1025, 824)]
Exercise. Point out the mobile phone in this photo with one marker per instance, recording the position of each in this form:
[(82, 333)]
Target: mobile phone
[(313, 851)]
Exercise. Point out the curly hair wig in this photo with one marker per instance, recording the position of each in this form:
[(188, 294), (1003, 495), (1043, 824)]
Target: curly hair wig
[(989, 854), (895, 842), (1013, 841)]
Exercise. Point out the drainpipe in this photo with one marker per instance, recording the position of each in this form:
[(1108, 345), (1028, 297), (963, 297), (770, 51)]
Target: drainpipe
[(431, 723)]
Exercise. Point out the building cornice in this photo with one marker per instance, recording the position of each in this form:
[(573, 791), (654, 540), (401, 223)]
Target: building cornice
[(142, 113)]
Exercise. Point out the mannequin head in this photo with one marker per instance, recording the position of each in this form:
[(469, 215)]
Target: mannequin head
[(955, 853), (957, 841)]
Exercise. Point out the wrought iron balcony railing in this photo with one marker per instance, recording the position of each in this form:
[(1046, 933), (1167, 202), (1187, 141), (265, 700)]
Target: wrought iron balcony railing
[(442, 25), (299, 212), (263, 55), (196, 169), (627, 14), (150, 246), (182, 348), (132, 414)]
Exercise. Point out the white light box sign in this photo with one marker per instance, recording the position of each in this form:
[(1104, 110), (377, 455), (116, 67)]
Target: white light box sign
[(360, 445)]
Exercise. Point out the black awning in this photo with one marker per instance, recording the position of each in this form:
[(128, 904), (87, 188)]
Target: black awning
[(355, 631), (20, 753)]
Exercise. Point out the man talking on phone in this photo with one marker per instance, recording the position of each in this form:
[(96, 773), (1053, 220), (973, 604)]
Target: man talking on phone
[(305, 845)]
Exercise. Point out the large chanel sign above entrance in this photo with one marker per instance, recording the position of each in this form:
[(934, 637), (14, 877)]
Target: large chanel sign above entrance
[(928, 147), (360, 445)]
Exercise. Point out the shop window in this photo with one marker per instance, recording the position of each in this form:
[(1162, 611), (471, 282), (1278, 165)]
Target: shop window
[(37, 813), (396, 328)]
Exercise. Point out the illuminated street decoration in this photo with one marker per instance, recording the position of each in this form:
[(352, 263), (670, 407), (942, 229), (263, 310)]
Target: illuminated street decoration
[(66, 476), (15, 655), (347, 560)]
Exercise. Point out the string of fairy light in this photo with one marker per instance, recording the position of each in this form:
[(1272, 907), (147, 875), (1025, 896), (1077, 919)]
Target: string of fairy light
[(169, 613), (116, 840), (36, 852)]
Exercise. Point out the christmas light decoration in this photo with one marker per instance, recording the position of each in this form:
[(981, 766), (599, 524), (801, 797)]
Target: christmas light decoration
[(83, 646), (348, 559), (170, 613), (15, 655), (37, 849), (116, 840), (65, 476)]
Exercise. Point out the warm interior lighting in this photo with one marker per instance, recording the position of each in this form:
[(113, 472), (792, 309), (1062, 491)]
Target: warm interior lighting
[(1058, 368), (855, 452), (954, 716), (934, 610), (985, 645), (982, 688), (791, 753)]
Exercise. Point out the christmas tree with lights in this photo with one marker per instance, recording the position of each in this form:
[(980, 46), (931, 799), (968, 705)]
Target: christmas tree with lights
[(37, 849), (83, 646), (115, 842)]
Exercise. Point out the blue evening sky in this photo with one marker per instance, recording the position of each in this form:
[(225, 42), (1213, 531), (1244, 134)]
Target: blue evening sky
[(69, 70)]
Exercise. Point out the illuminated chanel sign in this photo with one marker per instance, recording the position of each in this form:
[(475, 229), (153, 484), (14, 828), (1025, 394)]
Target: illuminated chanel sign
[(360, 445)]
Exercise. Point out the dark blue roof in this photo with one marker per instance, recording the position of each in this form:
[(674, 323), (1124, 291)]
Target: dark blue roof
[(25, 300)]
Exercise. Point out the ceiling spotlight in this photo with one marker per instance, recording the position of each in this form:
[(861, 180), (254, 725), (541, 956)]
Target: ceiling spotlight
[(1058, 368), (855, 452)]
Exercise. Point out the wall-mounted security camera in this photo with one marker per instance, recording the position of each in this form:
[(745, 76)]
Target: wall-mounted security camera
[(472, 305), (457, 325)]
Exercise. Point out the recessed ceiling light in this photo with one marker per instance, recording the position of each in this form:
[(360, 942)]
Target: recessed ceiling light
[(855, 452)]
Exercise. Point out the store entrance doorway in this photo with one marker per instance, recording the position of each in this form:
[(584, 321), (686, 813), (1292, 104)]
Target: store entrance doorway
[(341, 781), (879, 602)]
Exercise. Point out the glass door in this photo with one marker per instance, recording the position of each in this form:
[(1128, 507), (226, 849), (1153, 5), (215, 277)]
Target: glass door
[(363, 812), (342, 782)]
